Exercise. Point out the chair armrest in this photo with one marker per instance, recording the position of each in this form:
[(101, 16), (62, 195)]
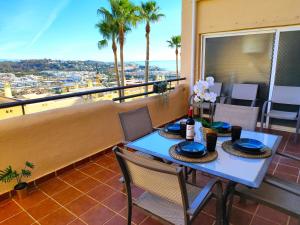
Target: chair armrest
[(282, 184), (223, 99), (205, 193), (265, 106), (286, 155), (253, 103)]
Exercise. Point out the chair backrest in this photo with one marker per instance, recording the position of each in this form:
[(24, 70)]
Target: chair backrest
[(161, 179), (136, 123), (244, 91), (216, 88), (243, 116), (286, 95)]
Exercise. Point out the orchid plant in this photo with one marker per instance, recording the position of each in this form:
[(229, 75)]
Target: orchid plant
[(202, 92)]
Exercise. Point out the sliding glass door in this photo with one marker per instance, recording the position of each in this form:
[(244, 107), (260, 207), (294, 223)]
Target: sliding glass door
[(240, 59), (268, 58)]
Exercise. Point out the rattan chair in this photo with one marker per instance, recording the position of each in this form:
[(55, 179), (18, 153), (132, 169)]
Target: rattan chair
[(166, 195), (244, 92), (243, 116), (283, 95)]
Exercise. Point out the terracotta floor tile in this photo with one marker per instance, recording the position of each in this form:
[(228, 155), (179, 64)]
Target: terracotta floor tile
[(239, 217), (19, 219), (137, 215), (53, 186), (67, 195), (116, 184), (81, 205), (105, 161), (257, 220), (210, 207), (204, 219), (10, 208), (289, 162), (73, 176), (116, 202), (90, 168), (247, 205), (43, 208), (293, 221), (114, 167), (97, 215), (101, 192), (77, 222), (104, 175), (59, 217), (87, 184), (291, 170), (272, 214), (117, 220), (33, 198), (151, 221), (286, 176)]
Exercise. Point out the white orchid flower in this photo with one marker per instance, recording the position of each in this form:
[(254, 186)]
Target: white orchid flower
[(210, 80), (213, 96), (196, 99)]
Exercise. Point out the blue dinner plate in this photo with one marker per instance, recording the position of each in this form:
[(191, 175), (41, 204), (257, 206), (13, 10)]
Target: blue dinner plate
[(191, 149), (221, 126), (249, 145), (173, 128)]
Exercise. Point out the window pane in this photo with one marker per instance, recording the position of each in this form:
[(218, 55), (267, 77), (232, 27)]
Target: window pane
[(240, 59)]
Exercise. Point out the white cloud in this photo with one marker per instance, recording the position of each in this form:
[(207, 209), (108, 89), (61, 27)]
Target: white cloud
[(52, 17)]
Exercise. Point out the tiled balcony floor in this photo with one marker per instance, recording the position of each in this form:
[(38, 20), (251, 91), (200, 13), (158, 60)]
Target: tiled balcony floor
[(91, 194)]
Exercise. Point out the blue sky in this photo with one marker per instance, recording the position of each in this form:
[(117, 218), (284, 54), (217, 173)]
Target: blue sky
[(65, 29)]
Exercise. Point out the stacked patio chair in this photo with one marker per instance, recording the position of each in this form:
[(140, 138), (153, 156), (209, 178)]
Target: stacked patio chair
[(283, 95), (167, 195), (246, 92)]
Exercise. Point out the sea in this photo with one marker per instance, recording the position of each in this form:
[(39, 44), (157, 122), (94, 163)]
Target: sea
[(169, 65)]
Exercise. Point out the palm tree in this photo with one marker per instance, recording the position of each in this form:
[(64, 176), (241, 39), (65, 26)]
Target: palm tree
[(125, 15), (150, 13), (108, 28), (175, 42)]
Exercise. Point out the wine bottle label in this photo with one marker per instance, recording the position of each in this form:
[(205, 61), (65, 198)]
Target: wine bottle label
[(190, 132)]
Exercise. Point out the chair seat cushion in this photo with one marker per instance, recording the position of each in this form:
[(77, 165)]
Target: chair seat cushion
[(272, 196), (165, 209), (282, 115)]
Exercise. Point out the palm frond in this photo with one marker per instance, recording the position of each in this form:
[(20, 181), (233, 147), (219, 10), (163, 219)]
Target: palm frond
[(8, 174), (26, 173), (29, 164), (103, 43)]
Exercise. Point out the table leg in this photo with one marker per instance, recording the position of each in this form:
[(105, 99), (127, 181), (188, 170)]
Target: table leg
[(228, 200)]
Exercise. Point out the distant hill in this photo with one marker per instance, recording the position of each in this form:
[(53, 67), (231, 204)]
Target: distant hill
[(38, 65)]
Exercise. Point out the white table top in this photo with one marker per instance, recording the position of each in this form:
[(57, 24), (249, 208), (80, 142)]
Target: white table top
[(245, 171)]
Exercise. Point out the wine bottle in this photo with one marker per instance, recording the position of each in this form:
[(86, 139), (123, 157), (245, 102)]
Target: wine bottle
[(190, 124)]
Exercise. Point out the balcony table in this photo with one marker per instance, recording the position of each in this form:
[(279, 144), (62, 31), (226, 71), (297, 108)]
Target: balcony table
[(237, 170)]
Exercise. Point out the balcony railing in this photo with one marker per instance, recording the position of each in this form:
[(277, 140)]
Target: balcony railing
[(23, 103)]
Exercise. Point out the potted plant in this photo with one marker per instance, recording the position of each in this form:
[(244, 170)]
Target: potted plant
[(160, 87), (8, 174)]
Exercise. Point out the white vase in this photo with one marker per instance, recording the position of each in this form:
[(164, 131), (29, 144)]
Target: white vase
[(198, 132)]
